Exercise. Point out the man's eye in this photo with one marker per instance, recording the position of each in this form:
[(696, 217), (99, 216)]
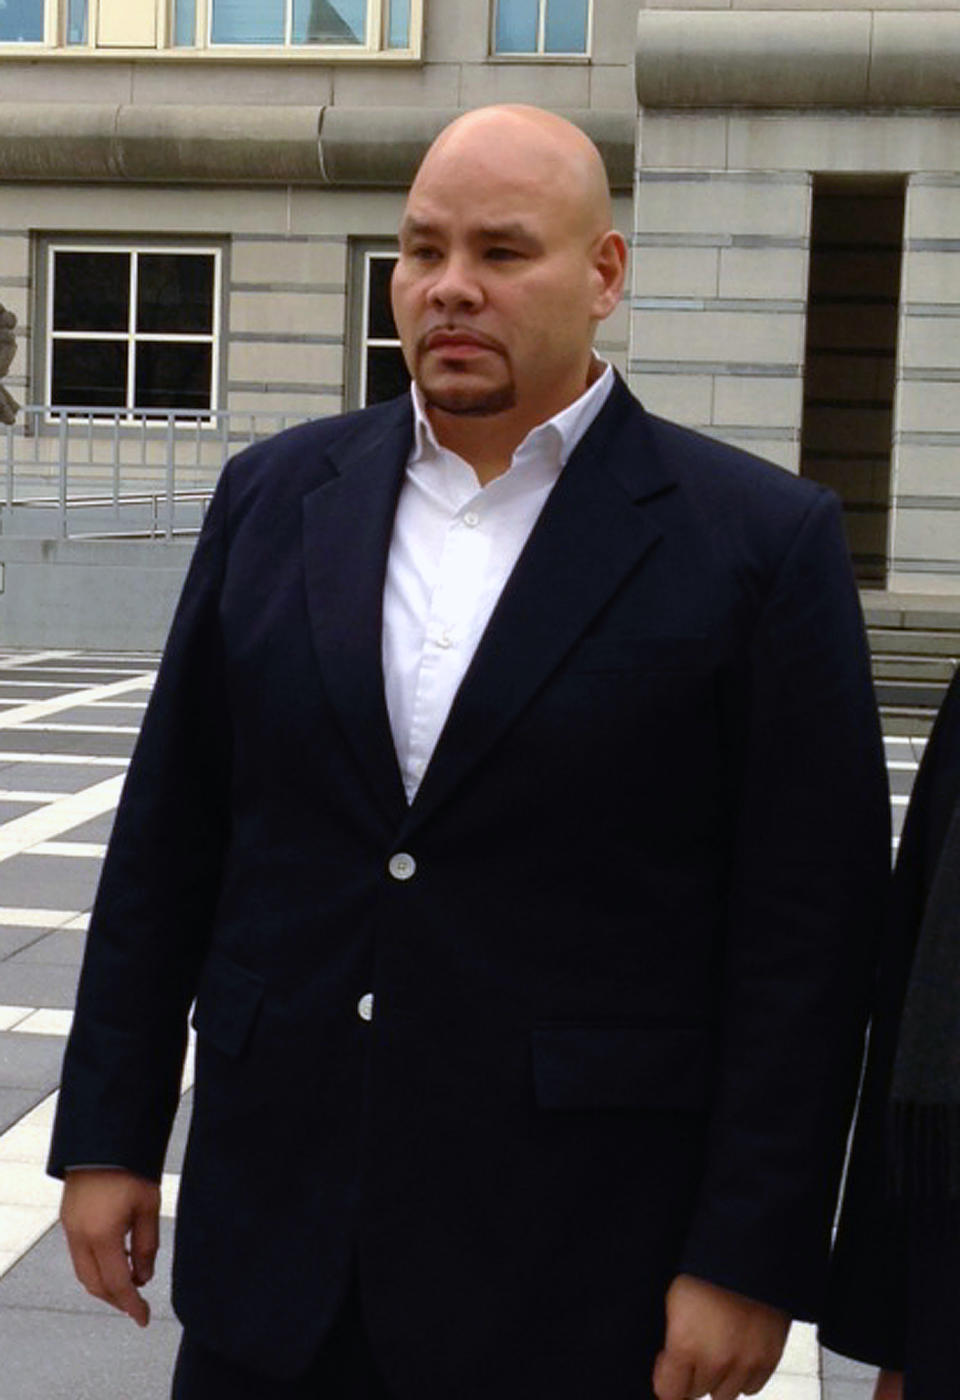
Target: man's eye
[(424, 253), (502, 254)]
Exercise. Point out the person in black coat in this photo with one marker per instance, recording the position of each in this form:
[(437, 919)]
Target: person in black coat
[(894, 1298)]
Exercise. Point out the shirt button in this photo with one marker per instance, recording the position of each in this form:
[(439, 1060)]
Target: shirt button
[(365, 1007), (402, 866), (471, 518), (445, 638)]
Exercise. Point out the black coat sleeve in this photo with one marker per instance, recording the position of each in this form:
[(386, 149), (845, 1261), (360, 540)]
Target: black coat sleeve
[(867, 1306)]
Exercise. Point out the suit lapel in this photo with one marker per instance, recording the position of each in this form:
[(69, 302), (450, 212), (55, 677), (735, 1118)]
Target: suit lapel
[(590, 536), (346, 535)]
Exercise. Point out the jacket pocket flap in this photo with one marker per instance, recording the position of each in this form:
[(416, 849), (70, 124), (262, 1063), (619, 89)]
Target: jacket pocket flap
[(583, 1067), (228, 999)]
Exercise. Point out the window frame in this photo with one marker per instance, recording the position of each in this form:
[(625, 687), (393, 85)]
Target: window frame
[(362, 250), (539, 54), (128, 415), (55, 46)]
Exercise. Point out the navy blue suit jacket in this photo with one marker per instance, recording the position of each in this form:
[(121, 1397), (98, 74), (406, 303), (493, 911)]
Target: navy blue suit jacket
[(619, 1005)]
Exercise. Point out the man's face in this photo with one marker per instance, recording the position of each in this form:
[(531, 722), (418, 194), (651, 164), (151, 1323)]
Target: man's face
[(495, 293)]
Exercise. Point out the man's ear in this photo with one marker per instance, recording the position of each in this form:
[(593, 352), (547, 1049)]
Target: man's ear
[(610, 269)]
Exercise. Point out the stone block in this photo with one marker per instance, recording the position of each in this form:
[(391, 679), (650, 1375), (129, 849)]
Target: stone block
[(284, 260), (264, 84), (751, 402), (928, 535), (548, 84), (14, 248), (722, 205), (779, 274), (884, 142), (683, 140), (931, 342), (926, 470), (429, 85), (615, 330), (30, 81), (770, 449), (928, 277), (729, 337), (614, 34), (926, 407), (933, 211), (686, 398), (363, 213), (298, 406), (287, 313), (675, 272), (611, 87), (290, 362), (456, 31), (146, 209)]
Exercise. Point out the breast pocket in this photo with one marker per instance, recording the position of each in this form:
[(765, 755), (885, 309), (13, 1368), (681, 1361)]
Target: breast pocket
[(620, 1067), (656, 655)]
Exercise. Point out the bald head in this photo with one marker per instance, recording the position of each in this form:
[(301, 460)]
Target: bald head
[(507, 262), (518, 141)]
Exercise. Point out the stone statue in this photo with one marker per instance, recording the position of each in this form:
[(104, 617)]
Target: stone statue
[(8, 348)]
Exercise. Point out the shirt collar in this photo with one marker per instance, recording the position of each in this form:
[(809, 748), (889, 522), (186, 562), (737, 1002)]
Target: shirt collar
[(559, 435)]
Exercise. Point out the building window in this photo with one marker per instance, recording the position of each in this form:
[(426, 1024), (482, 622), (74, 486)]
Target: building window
[(21, 22), (132, 329), (227, 28), (546, 27), (376, 366)]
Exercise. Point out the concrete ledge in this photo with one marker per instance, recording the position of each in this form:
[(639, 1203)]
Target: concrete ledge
[(789, 58), (248, 145)]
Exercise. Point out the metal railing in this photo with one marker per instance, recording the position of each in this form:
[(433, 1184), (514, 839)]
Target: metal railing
[(82, 472)]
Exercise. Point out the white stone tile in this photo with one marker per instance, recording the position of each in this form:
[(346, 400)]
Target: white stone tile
[(801, 1356), (53, 820), (87, 850), (13, 917), (10, 1016), (47, 1020), (26, 1184), (33, 710), (22, 1226), (29, 1138), (8, 1257), (784, 1387), (169, 1193)]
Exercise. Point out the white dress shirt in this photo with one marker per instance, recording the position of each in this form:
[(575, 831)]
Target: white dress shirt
[(453, 547)]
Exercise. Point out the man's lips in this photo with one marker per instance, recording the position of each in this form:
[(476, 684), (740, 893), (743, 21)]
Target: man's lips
[(457, 342)]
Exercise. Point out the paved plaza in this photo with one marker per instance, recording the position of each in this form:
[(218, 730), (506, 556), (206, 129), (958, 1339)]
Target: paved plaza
[(68, 721)]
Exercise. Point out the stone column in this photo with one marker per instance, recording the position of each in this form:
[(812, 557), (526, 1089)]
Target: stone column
[(718, 308), (925, 519)]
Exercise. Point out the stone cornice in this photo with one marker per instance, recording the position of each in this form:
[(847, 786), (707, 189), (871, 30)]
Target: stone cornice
[(789, 58), (339, 146)]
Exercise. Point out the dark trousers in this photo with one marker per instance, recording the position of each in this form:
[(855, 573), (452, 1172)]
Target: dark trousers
[(933, 1336), (343, 1370)]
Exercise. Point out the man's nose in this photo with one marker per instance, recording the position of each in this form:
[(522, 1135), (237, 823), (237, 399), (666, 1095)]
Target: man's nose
[(456, 284)]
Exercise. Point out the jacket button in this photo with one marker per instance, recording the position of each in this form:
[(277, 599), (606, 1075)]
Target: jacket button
[(365, 1007), (402, 866)]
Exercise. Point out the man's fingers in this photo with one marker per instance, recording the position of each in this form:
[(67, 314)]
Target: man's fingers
[(117, 1280), (673, 1377), (757, 1379), (144, 1242)]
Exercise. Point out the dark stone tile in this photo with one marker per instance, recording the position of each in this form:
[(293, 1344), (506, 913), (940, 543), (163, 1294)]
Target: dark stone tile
[(33, 984), (49, 882), (69, 1356), (178, 1138), (14, 1103), (30, 1061), (10, 810), (96, 829), (15, 940), (44, 1279), (90, 675), (54, 741), (52, 777), (63, 946)]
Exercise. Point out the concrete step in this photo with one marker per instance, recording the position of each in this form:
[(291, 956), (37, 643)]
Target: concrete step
[(903, 721), (932, 669), (885, 641), (910, 694)]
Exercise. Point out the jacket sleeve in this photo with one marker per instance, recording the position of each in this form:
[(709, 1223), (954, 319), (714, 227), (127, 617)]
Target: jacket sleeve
[(157, 895), (867, 1302), (809, 860)]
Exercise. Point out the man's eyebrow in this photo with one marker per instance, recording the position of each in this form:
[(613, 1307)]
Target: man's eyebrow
[(417, 228), (507, 233)]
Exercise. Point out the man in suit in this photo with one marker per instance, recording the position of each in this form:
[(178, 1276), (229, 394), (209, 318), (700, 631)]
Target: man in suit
[(512, 802)]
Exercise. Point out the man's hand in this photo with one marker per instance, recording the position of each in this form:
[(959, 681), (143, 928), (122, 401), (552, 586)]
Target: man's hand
[(889, 1386), (101, 1209), (718, 1343)]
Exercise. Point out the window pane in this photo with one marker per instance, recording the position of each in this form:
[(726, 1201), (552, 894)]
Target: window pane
[(329, 21), (89, 374), (566, 27), (398, 31), (247, 22), (21, 21), (175, 293), (173, 375), (185, 23), (380, 322), (91, 291), (77, 22), (386, 374), (516, 26)]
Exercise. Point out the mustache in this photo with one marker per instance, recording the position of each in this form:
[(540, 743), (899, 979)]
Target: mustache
[(435, 337)]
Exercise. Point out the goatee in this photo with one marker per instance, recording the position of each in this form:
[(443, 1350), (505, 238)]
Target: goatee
[(471, 403)]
